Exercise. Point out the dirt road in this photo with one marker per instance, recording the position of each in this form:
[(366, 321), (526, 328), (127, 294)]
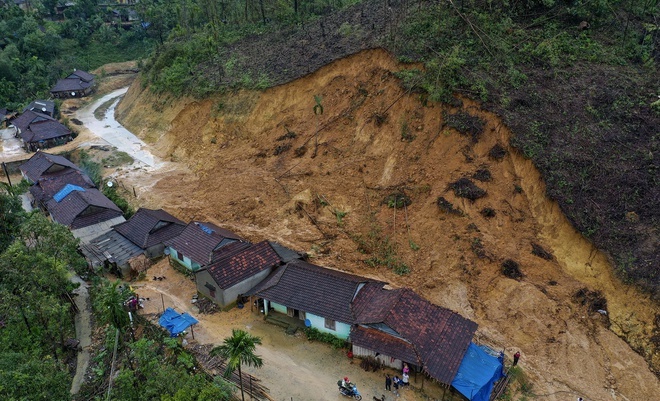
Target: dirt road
[(83, 332)]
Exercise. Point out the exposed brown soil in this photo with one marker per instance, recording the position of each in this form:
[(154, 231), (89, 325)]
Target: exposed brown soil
[(231, 174)]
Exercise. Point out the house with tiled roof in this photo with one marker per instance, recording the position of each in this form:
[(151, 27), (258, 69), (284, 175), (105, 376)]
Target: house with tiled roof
[(398, 326), (149, 229), (40, 131), (198, 242), (78, 84), (86, 211), (42, 164), (48, 185), (321, 297), (46, 107), (239, 267)]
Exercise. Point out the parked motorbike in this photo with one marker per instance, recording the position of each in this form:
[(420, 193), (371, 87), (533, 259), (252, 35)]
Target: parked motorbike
[(350, 391)]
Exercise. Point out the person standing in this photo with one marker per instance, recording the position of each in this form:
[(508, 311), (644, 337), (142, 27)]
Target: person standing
[(405, 380), (388, 382), (397, 383), (516, 356), (406, 369)]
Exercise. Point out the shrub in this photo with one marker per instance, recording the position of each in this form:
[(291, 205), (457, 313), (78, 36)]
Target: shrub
[(447, 207), (465, 188), (540, 252), (397, 200), (316, 335), (483, 175), (497, 152), (488, 212), (511, 269)]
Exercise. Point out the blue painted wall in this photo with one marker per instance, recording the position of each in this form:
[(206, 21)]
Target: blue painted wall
[(342, 330)]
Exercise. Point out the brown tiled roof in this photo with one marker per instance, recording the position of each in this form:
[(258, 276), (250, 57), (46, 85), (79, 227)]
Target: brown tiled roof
[(43, 131), (42, 163), (244, 261), (30, 117), (49, 184), (148, 227), (70, 84), (83, 208), (199, 239), (310, 288), (440, 337), (84, 75), (384, 343)]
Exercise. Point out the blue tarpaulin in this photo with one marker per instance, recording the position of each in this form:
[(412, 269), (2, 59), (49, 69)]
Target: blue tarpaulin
[(68, 188), (174, 322), (477, 374)]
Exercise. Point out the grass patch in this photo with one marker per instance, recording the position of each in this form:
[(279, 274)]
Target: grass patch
[(117, 159)]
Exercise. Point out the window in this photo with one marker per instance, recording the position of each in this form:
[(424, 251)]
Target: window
[(179, 255), (329, 324)]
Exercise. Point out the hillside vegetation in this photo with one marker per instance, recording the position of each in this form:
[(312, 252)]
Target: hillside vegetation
[(576, 81)]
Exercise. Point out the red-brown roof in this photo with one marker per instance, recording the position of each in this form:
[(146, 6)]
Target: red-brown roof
[(199, 239), (242, 260), (148, 227), (440, 336)]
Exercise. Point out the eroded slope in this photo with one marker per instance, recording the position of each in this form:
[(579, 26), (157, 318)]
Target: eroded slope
[(267, 166)]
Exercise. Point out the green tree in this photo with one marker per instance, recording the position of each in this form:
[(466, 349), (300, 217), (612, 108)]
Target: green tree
[(237, 350)]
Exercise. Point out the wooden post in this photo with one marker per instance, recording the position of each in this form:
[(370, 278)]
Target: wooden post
[(4, 167), (162, 299), (192, 331)]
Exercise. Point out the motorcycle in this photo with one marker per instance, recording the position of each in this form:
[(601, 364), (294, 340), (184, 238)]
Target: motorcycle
[(350, 391)]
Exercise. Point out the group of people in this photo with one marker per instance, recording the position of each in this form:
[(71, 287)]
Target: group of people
[(404, 381)]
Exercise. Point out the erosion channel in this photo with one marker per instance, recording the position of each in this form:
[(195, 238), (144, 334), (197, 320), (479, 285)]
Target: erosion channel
[(265, 165)]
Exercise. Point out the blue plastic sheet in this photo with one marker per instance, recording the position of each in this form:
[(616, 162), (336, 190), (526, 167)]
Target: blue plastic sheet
[(174, 322), (477, 374), (68, 188)]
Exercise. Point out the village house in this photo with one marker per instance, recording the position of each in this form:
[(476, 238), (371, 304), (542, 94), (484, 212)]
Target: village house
[(49, 184), (40, 131), (149, 229), (86, 211), (198, 242), (398, 326), (78, 84), (46, 107), (239, 267), (318, 296), (45, 164), (111, 251)]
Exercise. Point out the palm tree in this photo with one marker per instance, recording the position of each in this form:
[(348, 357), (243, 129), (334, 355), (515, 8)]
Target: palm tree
[(236, 350)]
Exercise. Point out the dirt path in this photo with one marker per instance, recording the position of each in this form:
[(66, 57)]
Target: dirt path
[(294, 369), (112, 132), (83, 332)]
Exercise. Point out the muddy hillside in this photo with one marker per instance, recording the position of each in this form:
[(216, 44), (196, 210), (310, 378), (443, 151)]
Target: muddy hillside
[(345, 165)]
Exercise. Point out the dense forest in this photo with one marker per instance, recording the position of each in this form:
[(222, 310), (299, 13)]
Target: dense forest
[(39, 46)]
